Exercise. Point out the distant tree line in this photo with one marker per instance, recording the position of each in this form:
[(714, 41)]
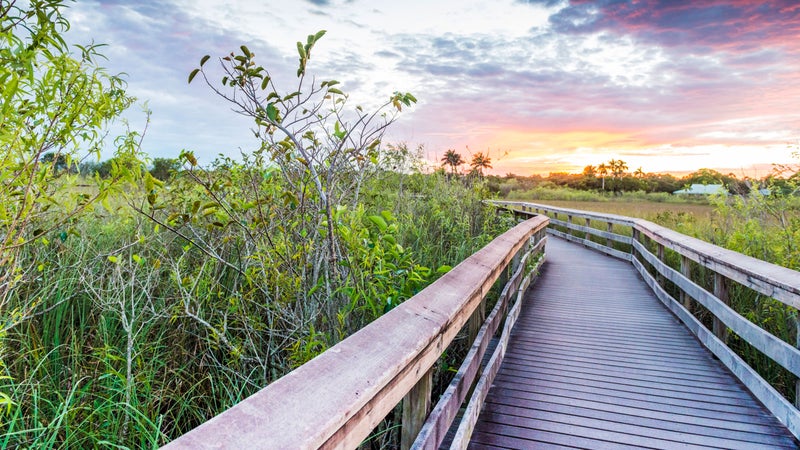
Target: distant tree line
[(614, 177), (160, 168)]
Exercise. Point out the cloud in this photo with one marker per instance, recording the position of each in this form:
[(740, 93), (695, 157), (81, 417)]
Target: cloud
[(566, 81), (735, 25)]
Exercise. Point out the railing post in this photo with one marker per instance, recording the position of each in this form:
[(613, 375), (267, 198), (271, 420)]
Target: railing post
[(797, 345), (610, 229), (476, 321), (686, 270), (660, 254), (588, 225), (569, 222), (721, 292), (416, 406)]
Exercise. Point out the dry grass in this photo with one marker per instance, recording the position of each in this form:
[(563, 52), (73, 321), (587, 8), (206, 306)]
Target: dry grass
[(640, 209)]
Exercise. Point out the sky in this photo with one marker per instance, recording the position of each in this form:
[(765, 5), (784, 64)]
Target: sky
[(540, 85)]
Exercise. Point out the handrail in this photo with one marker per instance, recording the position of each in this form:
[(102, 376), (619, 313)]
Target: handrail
[(336, 399), (728, 267)]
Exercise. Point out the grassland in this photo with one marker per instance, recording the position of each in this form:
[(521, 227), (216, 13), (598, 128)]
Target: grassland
[(642, 209)]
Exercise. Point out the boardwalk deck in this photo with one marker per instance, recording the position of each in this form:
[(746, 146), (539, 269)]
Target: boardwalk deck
[(604, 365)]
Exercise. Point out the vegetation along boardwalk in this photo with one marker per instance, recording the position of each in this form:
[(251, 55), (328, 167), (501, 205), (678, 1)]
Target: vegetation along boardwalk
[(632, 335), (596, 361)]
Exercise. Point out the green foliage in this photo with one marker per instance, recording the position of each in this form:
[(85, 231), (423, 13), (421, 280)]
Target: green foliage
[(54, 109)]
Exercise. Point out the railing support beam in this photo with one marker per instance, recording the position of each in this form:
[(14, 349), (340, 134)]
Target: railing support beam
[(416, 406), (721, 288), (686, 270)]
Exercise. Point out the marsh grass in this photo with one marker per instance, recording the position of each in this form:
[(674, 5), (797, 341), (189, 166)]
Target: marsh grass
[(138, 337)]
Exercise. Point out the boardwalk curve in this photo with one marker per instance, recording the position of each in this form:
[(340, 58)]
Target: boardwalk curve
[(604, 364)]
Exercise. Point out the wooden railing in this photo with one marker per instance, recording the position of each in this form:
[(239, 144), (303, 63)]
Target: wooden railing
[(338, 398), (645, 245)]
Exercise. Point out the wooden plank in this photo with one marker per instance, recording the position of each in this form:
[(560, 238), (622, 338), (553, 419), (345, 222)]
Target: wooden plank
[(771, 280), (579, 436), (613, 218), (623, 372), (715, 393), (594, 231), (580, 366), (602, 248), (763, 391), (416, 405), (686, 271), (601, 348), (743, 423), (336, 399), (634, 433), (721, 288), (778, 350), (534, 395), (671, 395), (623, 361)]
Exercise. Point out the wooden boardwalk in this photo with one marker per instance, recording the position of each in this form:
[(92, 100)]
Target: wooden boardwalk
[(596, 361)]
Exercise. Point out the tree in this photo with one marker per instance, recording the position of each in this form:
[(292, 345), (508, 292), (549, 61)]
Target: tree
[(639, 173), (309, 133), (617, 167), (602, 169), (52, 103), (164, 168), (452, 159), (480, 162)]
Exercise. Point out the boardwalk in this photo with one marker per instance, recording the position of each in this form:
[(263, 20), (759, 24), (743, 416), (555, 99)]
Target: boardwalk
[(604, 365)]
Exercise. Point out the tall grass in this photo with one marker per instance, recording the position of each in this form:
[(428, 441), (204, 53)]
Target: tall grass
[(138, 337)]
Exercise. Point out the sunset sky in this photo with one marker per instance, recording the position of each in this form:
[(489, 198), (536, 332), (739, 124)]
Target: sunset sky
[(542, 86)]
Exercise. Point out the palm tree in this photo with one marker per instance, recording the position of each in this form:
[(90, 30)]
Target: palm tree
[(602, 169), (618, 167), (639, 173), (452, 159), (480, 162)]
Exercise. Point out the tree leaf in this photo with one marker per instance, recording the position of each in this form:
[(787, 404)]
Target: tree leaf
[(193, 74), (379, 222), (272, 112), (204, 59)]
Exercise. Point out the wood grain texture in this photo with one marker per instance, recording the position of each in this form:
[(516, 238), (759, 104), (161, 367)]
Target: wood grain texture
[(604, 365)]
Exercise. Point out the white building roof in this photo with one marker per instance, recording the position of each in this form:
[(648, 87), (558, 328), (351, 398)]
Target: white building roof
[(703, 189)]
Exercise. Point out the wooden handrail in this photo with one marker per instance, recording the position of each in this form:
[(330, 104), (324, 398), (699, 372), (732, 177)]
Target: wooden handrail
[(336, 399), (771, 280)]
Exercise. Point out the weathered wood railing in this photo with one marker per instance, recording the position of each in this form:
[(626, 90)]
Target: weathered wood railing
[(336, 399), (632, 240)]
